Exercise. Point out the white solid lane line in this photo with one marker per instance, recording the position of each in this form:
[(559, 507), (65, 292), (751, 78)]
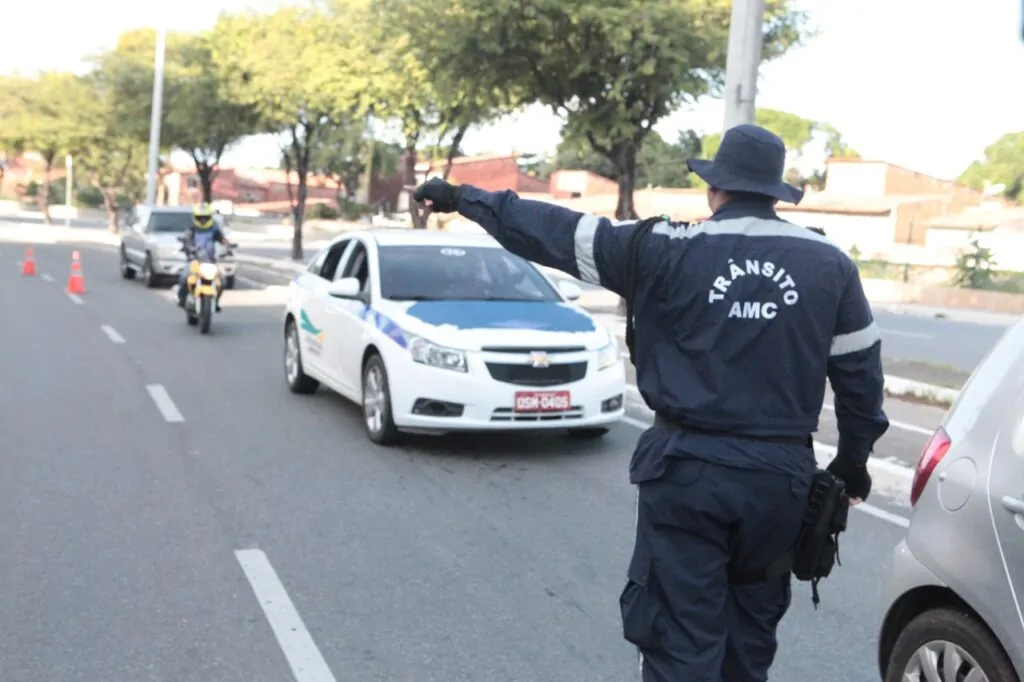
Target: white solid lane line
[(112, 334), (46, 277), (164, 403), (75, 298), (869, 509), (301, 652)]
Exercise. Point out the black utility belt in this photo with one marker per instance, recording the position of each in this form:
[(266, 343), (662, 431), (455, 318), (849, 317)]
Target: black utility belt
[(661, 422)]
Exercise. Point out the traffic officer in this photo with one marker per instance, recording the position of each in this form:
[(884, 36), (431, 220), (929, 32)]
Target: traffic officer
[(739, 322)]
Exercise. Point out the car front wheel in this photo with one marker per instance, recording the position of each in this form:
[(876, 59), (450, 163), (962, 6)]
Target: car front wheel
[(952, 644), (298, 381), (377, 418)]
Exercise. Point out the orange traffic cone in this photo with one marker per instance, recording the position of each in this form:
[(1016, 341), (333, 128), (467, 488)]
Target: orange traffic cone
[(28, 266), (76, 284)]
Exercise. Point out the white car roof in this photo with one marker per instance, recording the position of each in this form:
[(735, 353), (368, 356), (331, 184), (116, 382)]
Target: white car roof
[(400, 236)]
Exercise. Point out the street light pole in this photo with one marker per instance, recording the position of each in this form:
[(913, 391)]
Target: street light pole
[(68, 184), (743, 60), (156, 115)]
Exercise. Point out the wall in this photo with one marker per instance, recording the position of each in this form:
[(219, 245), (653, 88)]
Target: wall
[(867, 232), (855, 178), (565, 183)]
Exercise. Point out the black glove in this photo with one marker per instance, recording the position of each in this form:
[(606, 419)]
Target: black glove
[(442, 197), (855, 477)]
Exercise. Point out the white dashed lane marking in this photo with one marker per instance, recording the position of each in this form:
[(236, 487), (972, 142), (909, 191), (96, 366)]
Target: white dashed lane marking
[(164, 403), (75, 298), (112, 334), (297, 645)]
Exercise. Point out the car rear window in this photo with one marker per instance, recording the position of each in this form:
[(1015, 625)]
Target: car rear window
[(463, 273), (172, 221)]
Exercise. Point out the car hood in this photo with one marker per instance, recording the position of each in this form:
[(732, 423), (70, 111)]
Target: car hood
[(472, 325)]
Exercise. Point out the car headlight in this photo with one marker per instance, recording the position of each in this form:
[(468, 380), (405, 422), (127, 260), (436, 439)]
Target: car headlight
[(608, 356), (428, 353)]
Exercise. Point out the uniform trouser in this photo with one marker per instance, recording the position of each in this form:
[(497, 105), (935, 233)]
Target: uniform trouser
[(688, 622)]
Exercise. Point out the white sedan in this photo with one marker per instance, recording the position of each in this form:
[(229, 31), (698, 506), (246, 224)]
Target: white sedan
[(433, 332)]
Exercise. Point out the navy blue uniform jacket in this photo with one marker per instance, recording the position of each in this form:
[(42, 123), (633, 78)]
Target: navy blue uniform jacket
[(739, 322)]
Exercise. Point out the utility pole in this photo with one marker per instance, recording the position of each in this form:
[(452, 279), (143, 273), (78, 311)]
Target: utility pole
[(156, 115), (743, 60)]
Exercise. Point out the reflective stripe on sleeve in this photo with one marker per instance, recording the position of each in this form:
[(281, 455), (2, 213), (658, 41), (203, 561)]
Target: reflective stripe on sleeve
[(862, 339), (586, 229)]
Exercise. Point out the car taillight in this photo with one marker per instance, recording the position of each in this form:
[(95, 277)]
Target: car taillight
[(934, 451)]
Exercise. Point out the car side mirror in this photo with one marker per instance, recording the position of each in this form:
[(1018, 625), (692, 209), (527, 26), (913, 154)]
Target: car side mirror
[(346, 287), (570, 290)]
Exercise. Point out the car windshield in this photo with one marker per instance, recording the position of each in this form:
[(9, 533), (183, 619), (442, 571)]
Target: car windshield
[(464, 273), (170, 221)]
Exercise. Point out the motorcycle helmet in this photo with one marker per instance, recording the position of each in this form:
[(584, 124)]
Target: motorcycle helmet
[(202, 217)]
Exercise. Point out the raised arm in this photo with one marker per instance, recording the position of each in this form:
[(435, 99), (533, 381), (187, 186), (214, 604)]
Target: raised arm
[(587, 247)]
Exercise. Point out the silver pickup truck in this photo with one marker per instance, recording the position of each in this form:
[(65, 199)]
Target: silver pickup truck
[(150, 246)]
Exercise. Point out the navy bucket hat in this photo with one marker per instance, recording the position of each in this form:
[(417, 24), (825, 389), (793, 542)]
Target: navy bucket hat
[(750, 159)]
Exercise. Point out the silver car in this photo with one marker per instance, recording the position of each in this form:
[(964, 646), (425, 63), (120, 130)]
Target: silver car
[(953, 609), (150, 246)]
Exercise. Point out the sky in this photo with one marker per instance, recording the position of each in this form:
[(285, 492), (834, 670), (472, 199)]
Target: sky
[(925, 84)]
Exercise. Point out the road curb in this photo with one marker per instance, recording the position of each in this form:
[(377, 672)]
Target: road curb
[(941, 395)]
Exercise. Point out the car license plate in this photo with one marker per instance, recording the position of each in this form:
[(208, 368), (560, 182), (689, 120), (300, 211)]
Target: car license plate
[(543, 401)]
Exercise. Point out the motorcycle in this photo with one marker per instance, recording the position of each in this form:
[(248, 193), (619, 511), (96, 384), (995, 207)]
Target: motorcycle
[(203, 284)]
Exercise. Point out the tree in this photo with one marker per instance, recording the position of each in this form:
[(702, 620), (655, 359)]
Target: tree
[(11, 113), (974, 267), (441, 104), (198, 117), (659, 163), (339, 153), (108, 152), (201, 119), (299, 69), (48, 121), (1003, 164), (612, 68)]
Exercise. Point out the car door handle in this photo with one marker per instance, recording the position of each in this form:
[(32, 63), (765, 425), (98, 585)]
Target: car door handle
[(1013, 504)]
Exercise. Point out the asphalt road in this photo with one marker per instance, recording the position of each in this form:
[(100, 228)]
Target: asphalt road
[(169, 511)]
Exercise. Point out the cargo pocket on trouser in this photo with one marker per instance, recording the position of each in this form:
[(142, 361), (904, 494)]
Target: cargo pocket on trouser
[(641, 607)]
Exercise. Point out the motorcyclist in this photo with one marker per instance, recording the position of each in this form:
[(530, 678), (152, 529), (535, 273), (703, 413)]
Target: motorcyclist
[(199, 236)]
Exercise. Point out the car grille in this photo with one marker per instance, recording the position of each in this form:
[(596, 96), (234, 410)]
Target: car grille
[(527, 375), (507, 414)]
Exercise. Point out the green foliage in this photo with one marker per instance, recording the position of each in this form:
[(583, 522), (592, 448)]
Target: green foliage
[(659, 163), (198, 116), (111, 153), (298, 69), (339, 152), (613, 68), (89, 197), (974, 267), (1003, 163)]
